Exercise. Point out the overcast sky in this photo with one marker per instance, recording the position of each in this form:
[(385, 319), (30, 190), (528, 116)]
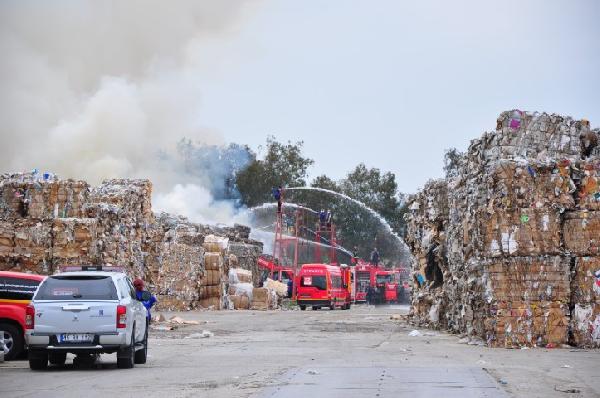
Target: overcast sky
[(394, 83)]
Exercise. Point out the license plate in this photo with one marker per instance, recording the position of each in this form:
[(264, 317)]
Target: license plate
[(76, 338)]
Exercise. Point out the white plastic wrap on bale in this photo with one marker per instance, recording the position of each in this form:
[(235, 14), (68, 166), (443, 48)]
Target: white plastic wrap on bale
[(244, 289), (215, 244), (239, 275), (280, 288)]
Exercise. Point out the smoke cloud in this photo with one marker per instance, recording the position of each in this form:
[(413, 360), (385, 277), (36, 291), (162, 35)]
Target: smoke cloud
[(107, 89)]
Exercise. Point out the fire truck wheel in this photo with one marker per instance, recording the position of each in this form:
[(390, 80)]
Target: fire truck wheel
[(332, 306), (302, 308), (315, 308)]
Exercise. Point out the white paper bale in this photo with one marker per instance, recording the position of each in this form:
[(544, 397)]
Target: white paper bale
[(280, 288)]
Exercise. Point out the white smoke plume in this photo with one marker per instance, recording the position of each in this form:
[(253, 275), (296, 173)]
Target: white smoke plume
[(106, 89)]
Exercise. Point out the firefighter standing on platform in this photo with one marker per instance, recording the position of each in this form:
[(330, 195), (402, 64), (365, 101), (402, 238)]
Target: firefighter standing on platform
[(277, 194)]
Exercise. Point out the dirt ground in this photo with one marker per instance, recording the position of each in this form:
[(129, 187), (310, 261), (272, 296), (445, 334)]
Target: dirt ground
[(321, 353)]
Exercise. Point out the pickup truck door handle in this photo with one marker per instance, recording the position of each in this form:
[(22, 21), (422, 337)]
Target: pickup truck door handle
[(75, 307)]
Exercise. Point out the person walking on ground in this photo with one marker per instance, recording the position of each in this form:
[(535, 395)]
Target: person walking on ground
[(139, 293), (277, 194), (375, 257)]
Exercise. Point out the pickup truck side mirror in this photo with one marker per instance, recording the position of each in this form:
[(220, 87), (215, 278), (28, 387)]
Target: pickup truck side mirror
[(146, 296)]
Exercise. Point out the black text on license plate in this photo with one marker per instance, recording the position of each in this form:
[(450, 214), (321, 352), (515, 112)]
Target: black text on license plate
[(76, 338)]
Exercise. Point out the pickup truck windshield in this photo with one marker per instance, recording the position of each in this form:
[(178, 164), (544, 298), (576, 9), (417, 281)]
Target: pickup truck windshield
[(77, 288)]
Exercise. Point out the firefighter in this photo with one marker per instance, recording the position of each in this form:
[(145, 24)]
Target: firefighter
[(369, 295), (322, 218), (139, 290), (375, 257), (277, 193)]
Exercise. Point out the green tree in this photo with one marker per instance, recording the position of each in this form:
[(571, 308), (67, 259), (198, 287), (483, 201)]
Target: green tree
[(283, 164)]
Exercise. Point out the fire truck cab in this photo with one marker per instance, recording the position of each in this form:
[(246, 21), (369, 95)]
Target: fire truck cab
[(322, 285), (387, 286), (276, 272)]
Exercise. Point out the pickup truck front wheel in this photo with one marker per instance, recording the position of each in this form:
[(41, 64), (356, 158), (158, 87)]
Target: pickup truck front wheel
[(13, 341), (38, 360), (125, 356)]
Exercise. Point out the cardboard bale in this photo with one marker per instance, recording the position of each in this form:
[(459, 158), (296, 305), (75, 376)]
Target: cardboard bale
[(588, 184), (516, 324), (240, 275), (240, 302), (519, 232), (215, 244), (44, 199), (214, 303), (281, 289), (247, 254), (261, 299), (74, 241), (581, 232), (585, 280), (213, 261), (26, 246), (585, 325)]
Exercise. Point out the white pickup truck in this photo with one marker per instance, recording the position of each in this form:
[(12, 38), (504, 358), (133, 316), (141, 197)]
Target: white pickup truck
[(86, 313)]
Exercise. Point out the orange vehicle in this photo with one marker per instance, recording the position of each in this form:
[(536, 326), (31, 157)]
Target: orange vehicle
[(16, 291), (322, 285)]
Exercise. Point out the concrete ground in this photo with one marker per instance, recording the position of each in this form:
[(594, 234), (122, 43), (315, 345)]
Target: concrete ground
[(361, 352)]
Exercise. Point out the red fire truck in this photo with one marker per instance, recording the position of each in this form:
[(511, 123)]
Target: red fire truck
[(387, 286), (386, 281), (270, 269), (363, 278), (322, 285)]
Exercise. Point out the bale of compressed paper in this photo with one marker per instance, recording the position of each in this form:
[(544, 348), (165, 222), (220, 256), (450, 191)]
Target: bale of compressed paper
[(214, 303), (246, 256), (585, 325), (518, 232), (261, 299), (131, 197), (526, 323), (585, 302), (581, 232), (26, 246), (279, 288), (215, 244), (240, 302), (585, 280), (29, 195), (74, 241), (544, 278), (587, 180), (213, 261)]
